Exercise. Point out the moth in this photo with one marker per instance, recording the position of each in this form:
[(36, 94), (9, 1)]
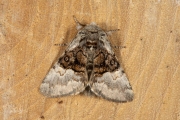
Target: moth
[(88, 62)]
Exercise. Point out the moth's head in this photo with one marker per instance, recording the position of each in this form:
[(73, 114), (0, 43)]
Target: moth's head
[(92, 29)]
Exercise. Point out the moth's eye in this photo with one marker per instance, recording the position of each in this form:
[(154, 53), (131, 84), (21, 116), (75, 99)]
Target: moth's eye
[(101, 64), (112, 62), (66, 58), (82, 32), (103, 34)]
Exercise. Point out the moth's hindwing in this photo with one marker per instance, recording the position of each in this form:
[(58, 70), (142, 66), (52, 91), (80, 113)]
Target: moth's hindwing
[(67, 75), (109, 79)]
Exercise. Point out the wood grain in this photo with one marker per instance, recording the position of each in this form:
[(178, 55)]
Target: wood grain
[(149, 29)]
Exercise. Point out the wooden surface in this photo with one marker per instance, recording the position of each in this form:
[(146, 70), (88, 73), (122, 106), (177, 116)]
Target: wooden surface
[(150, 30)]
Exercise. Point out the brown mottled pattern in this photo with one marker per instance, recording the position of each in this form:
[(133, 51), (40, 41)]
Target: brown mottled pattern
[(76, 60)]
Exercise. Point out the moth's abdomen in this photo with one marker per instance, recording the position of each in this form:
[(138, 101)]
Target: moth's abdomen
[(89, 65), (91, 46)]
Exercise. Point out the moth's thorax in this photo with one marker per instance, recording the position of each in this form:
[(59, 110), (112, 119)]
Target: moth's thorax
[(92, 36)]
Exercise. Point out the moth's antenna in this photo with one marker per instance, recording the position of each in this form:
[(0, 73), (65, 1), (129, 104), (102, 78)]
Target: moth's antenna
[(79, 25), (109, 32), (75, 19)]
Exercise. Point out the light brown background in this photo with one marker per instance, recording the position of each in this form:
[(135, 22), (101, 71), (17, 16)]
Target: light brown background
[(150, 30)]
